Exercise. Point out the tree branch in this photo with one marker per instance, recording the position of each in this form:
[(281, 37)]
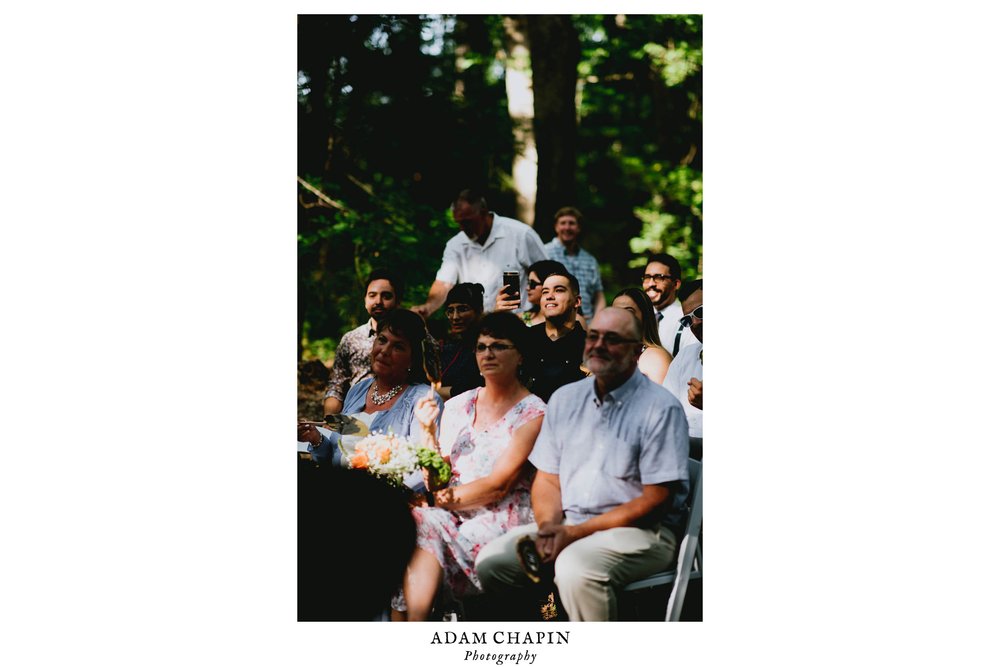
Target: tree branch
[(323, 197)]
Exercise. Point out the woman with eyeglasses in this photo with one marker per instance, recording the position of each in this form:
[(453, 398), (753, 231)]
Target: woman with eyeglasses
[(384, 401), (486, 435), (463, 307), (654, 360)]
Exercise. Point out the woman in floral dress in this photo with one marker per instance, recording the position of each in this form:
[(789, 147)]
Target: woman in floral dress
[(487, 434)]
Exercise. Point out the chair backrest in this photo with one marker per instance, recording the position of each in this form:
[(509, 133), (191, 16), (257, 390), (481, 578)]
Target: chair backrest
[(689, 543), (694, 499)]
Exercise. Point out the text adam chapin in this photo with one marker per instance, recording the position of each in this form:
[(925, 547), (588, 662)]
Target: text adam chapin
[(501, 637)]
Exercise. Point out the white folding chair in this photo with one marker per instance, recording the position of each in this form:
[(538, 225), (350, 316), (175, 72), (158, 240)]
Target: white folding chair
[(689, 565)]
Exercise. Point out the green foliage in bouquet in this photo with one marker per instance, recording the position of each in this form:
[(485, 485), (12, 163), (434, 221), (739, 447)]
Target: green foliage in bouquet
[(440, 471)]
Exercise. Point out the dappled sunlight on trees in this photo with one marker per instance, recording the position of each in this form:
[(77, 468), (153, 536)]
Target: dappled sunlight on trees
[(396, 114)]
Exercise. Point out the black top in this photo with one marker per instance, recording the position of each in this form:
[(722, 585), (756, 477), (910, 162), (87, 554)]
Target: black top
[(458, 367), (554, 363)]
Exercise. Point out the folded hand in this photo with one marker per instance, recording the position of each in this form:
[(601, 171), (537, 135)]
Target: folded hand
[(552, 538)]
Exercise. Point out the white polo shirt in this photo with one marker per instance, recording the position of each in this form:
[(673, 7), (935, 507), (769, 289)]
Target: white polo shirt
[(511, 243)]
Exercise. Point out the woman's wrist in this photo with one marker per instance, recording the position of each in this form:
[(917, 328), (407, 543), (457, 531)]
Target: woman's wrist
[(430, 441), (422, 499)]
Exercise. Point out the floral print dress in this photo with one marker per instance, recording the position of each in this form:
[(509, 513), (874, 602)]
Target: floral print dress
[(456, 536)]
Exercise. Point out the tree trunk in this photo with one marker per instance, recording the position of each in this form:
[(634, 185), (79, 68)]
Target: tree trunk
[(471, 38), (555, 55), (520, 104)]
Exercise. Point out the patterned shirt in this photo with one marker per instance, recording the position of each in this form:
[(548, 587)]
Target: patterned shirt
[(353, 361), (584, 266)]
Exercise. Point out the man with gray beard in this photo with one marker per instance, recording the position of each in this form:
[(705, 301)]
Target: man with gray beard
[(608, 497)]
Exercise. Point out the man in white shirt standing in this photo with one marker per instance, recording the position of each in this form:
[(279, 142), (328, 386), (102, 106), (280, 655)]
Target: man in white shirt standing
[(487, 246), (684, 377), (660, 281)]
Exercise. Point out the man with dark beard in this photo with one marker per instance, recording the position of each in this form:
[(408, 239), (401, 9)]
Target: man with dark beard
[(660, 281), (611, 480), (352, 362)]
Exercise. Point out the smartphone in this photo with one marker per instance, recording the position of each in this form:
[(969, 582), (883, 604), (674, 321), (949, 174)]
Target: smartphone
[(512, 279)]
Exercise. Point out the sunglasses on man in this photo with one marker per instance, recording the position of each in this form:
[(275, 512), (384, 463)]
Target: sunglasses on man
[(696, 313)]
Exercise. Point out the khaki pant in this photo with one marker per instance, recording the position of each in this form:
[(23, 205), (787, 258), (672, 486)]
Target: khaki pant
[(588, 572)]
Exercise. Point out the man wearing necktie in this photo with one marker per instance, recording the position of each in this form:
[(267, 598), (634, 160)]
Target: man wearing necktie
[(661, 280)]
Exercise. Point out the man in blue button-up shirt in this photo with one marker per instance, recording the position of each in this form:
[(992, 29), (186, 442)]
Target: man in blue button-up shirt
[(608, 497), (565, 248)]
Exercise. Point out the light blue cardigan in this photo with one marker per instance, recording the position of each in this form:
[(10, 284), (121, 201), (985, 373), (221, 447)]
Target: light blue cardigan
[(399, 419)]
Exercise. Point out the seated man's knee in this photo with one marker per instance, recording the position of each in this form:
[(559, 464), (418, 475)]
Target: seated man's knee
[(493, 566), (486, 570), (574, 567)]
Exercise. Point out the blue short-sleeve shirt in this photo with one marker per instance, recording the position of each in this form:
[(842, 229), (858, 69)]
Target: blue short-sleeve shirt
[(604, 451)]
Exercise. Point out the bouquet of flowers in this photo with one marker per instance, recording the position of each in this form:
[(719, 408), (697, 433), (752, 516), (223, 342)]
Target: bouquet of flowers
[(392, 458)]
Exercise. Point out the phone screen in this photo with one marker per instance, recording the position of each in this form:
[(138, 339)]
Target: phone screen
[(512, 280)]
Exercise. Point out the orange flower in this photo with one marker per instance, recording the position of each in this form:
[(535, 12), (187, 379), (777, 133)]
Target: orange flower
[(359, 460), (384, 454)]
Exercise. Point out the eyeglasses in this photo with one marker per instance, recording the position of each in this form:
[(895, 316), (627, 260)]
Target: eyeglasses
[(696, 313), (610, 339), (493, 347), (655, 277), (532, 284), (457, 309)]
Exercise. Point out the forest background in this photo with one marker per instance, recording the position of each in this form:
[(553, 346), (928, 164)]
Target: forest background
[(396, 114)]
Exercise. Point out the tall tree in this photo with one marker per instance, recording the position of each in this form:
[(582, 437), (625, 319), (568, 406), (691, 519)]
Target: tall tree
[(555, 55), (520, 102)]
